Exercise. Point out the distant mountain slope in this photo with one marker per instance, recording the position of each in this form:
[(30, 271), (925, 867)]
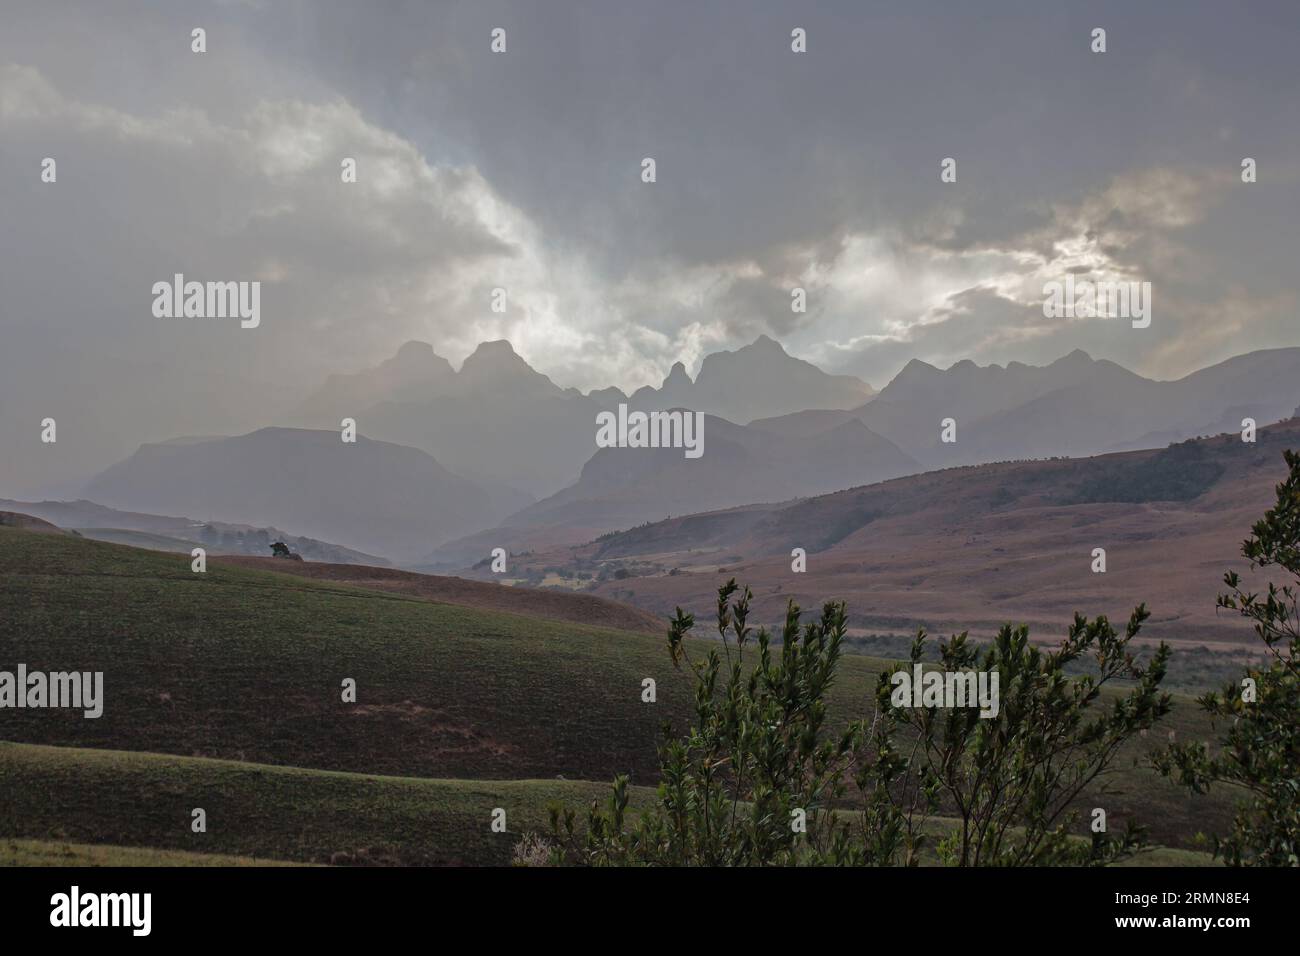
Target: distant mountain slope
[(810, 422), (415, 373), (496, 421), (622, 487), (373, 496), (1075, 406), (98, 425), (26, 522), (499, 419), (88, 514), (1113, 409), (172, 533), (975, 391), (973, 546), (535, 444), (496, 434), (760, 380)]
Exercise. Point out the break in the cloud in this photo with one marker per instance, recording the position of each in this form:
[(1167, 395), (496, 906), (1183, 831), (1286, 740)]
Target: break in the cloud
[(945, 296), (521, 170)]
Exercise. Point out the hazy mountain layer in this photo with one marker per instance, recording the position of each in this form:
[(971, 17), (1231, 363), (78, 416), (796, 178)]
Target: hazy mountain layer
[(374, 496)]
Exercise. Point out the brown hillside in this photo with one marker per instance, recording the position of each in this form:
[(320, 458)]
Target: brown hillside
[(974, 547)]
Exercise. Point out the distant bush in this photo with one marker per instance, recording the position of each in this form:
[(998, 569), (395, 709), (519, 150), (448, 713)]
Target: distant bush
[(1178, 473)]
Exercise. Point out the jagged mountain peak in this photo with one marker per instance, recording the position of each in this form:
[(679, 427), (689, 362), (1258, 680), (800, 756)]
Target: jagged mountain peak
[(765, 343), (496, 364), (677, 379), (1076, 357), (496, 351)]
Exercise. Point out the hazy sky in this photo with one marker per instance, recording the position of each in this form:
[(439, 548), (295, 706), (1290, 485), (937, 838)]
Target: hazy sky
[(522, 170)]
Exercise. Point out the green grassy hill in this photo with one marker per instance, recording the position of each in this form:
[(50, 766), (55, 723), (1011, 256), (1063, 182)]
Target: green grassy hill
[(69, 806), (246, 666), (282, 813), (62, 853), (140, 539)]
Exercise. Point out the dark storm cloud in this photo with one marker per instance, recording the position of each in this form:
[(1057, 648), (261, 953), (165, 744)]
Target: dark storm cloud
[(521, 170)]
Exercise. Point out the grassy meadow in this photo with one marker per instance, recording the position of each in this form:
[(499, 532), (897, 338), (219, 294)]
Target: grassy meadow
[(223, 691)]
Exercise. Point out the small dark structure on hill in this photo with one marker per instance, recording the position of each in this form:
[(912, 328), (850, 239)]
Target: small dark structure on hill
[(281, 550)]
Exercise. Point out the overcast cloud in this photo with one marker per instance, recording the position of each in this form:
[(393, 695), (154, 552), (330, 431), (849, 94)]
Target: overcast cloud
[(522, 170)]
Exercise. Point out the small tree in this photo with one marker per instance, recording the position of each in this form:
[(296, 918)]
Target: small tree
[(280, 550), (1012, 780), (1260, 750), (755, 780)]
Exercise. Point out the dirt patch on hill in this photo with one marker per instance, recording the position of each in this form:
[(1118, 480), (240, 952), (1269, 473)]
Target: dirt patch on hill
[(552, 605), (441, 734)]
